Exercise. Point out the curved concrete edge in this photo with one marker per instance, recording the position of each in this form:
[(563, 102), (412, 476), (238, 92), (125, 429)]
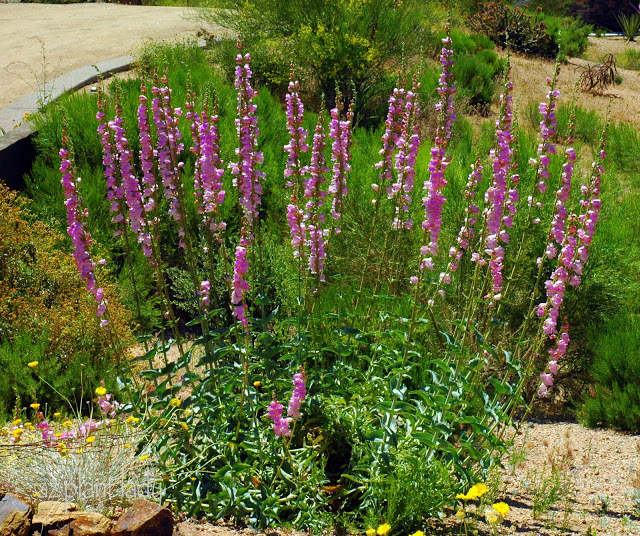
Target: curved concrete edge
[(16, 150)]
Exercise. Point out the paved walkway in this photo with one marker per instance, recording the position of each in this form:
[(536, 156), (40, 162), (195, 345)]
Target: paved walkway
[(39, 42)]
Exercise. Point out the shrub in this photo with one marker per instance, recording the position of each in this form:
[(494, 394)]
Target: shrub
[(357, 46), (507, 26), (569, 33), (615, 397), (45, 312), (629, 59)]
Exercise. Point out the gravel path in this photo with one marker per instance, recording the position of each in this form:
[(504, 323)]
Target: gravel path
[(41, 41)]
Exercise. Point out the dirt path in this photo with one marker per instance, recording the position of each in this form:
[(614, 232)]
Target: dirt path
[(41, 41)]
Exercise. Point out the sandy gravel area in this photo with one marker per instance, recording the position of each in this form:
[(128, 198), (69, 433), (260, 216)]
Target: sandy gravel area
[(41, 41)]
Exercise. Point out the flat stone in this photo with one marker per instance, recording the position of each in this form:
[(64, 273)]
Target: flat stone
[(15, 517), (54, 513), (65, 530), (144, 518), (187, 529), (90, 524)]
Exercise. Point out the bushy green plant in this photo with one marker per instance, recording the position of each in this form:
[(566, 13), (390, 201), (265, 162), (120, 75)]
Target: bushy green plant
[(46, 314), (569, 33), (630, 25), (507, 26), (629, 59), (356, 46), (614, 399)]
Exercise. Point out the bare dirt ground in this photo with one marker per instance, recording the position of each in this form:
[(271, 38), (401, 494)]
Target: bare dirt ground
[(529, 81), (41, 41)]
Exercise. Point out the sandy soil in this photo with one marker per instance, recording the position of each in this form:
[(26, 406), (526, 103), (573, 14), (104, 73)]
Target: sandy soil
[(41, 41), (529, 81)]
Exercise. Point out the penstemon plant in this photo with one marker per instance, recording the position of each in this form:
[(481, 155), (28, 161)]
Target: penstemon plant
[(436, 375)]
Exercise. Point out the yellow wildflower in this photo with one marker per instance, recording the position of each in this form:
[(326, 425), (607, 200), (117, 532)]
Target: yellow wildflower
[(371, 532), (90, 439), (460, 515), (57, 434), (501, 508), (418, 533), (129, 419), (175, 402), (33, 364), (16, 422), (67, 423), (257, 384), (127, 445), (383, 529), (101, 391), (57, 414), (476, 491), (17, 433), (185, 426), (143, 458), (35, 406)]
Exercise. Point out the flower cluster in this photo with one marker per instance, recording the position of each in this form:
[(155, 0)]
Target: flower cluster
[(80, 237), (276, 409), (434, 200), (475, 492), (240, 285), (340, 134), (247, 176), (497, 217)]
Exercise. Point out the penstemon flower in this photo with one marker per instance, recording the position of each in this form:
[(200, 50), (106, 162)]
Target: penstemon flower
[(390, 141), (280, 423), (247, 176), (548, 126), (298, 395), (239, 285), (80, 237), (556, 353), (497, 194), (340, 133), (433, 201), (111, 172), (130, 184)]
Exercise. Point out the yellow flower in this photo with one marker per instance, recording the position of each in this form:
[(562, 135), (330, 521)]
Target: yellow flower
[(257, 384), (185, 426), (175, 402), (79, 451), (127, 445), (418, 533), (35, 493), (371, 532), (143, 458), (383, 529), (17, 422), (460, 515), (101, 391), (492, 520), (57, 414), (477, 490), (501, 508), (90, 439), (58, 434), (67, 423), (35, 406), (129, 419), (33, 364), (17, 433), (193, 479)]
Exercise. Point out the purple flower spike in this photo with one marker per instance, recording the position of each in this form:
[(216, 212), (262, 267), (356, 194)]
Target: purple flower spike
[(280, 424), (434, 200), (299, 393)]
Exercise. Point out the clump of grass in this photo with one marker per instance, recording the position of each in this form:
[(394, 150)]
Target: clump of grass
[(629, 59)]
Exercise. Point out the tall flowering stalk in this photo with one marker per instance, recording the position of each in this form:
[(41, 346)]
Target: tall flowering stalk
[(496, 196), (80, 237), (111, 172), (548, 129), (390, 143), (281, 425), (313, 217), (247, 175), (294, 170), (341, 136), (434, 200), (248, 180), (408, 144)]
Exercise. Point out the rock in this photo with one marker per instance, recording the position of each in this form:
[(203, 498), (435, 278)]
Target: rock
[(144, 518), (90, 524), (15, 517), (54, 513), (65, 530), (187, 529)]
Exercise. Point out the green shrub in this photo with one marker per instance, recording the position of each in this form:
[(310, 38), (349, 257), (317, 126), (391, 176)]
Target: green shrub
[(629, 59), (46, 315), (357, 46), (570, 34), (505, 25), (615, 400)]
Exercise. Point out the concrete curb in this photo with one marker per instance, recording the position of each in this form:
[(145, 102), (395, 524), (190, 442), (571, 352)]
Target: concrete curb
[(16, 149)]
